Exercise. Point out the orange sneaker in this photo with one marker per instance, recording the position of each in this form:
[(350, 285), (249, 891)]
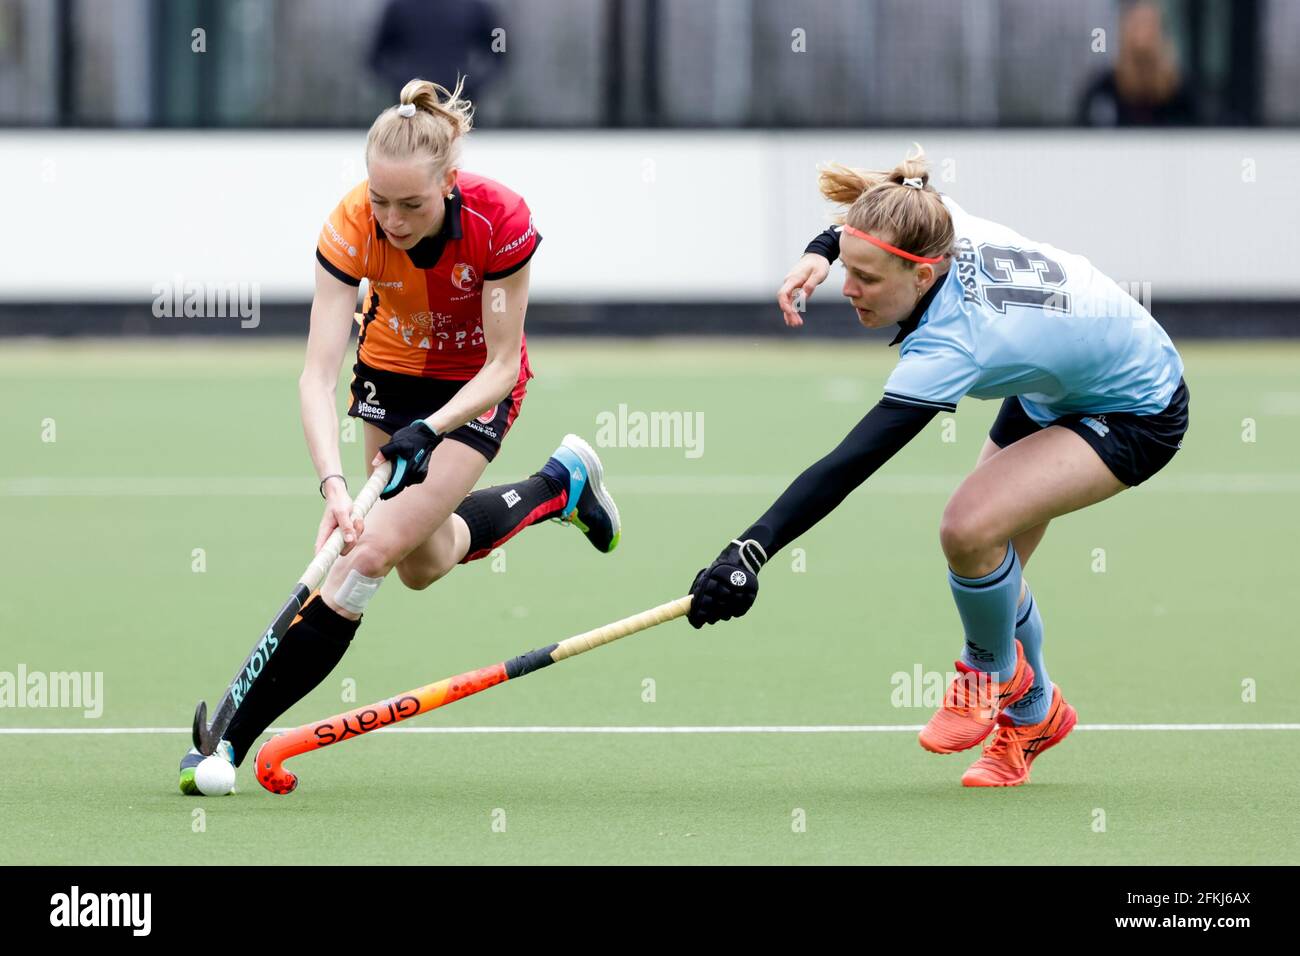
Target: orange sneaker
[(1006, 759), (971, 706)]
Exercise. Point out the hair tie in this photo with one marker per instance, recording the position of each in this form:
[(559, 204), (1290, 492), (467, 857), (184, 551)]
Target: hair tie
[(913, 181), (407, 110)]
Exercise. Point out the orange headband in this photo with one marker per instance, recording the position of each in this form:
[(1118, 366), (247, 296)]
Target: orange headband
[(888, 248)]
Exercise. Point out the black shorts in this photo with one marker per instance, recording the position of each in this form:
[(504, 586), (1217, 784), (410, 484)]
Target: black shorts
[(391, 400), (1134, 447)]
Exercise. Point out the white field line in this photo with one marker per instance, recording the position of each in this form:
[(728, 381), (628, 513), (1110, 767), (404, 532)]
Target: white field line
[(724, 729), (731, 485)]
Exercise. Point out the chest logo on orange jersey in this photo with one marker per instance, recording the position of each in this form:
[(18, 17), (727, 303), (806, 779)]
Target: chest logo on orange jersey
[(438, 331), (463, 276)]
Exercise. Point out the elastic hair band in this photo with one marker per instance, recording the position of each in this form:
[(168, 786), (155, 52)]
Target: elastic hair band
[(888, 248), (407, 110)]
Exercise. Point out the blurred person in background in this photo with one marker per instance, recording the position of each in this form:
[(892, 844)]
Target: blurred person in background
[(1145, 87), (438, 39)]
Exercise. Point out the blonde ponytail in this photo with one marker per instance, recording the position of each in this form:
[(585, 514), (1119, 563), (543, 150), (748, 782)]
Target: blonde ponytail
[(889, 207), (433, 130), (843, 184)]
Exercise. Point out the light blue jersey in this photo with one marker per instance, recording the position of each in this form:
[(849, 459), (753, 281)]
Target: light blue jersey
[(1019, 317)]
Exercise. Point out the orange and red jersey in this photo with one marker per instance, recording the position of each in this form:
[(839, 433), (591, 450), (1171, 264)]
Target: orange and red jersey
[(423, 314)]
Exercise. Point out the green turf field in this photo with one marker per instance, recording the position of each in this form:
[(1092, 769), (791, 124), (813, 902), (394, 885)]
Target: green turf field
[(99, 576)]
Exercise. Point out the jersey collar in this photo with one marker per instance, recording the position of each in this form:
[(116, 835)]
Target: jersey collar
[(909, 324), (426, 253)]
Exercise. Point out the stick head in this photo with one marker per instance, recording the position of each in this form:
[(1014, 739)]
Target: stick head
[(269, 767), (203, 739)]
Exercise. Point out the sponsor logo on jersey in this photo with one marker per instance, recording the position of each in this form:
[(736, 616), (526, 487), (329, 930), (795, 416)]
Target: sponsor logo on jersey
[(367, 410), (388, 285), (486, 417), (438, 331), (514, 244), (463, 276), (1097, 424), (339, 240)]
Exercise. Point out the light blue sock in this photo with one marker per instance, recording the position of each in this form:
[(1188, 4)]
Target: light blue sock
[(987, 607), (1033, 707)]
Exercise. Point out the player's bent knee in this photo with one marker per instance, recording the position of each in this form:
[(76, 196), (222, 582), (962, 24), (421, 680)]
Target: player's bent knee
[(418, 575), (963, 533), (430, 566), (371, 558)]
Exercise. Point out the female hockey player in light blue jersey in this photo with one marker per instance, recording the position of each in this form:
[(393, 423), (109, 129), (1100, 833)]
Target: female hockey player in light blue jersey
[(1093, 402)]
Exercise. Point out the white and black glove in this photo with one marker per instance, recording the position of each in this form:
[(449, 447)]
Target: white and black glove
[(728, 587), (409, 450)]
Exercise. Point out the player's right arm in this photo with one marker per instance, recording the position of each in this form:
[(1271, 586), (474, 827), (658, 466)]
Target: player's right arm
[(332, 309), (808, 273)]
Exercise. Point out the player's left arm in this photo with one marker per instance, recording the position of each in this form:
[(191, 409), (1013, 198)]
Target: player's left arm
[(931, 376), (504, 303), (505, 300), (727, 587)]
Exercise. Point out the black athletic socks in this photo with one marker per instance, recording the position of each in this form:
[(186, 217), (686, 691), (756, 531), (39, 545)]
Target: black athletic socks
[(309, 650), (495, 515)]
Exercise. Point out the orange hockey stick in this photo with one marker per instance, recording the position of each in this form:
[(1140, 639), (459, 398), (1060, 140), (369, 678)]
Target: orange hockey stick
[(269, 762)]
